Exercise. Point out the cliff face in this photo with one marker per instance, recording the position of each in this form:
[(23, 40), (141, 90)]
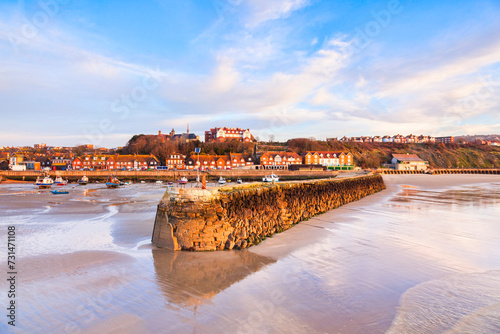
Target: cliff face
[(238, 217)]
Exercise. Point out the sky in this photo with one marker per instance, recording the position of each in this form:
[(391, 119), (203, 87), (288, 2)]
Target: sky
[(97, 72)]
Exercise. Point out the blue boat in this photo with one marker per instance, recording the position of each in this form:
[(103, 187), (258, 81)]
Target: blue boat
[(112, 182), (58, 192)]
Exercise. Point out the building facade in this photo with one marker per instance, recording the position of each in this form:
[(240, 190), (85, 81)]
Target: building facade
[(408, 162), (175, 161), (210, 161), (225, 133), (445, 140), (328, 158), (279, 160)]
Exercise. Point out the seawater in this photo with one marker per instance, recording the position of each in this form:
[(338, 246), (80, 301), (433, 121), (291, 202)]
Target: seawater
[(419, 257)]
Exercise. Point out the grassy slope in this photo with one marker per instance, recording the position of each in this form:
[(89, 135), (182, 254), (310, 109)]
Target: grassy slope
[(438, 155), (373, 155)]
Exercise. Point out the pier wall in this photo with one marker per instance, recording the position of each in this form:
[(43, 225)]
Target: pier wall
[(241, 216)]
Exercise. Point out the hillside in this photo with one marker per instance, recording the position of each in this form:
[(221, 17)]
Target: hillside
[(366, 155), (373, 155)]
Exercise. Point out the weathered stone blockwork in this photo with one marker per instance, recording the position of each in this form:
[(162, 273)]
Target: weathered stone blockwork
[(241, 216)]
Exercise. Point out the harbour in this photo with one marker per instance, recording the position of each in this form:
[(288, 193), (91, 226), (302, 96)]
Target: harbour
[(368, 266)]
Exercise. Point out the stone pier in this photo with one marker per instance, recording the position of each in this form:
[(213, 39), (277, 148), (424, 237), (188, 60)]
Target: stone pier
[(241, 216)]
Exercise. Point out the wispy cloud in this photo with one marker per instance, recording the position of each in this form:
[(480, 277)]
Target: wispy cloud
[(267, 65), (266, 10)]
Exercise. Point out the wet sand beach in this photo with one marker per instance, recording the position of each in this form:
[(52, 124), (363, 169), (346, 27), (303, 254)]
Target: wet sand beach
[(421, 256)]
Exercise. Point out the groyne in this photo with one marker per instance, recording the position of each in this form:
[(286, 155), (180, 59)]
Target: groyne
[(241, 216)]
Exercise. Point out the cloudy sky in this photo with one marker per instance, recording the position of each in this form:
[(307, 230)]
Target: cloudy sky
[(81, 71)]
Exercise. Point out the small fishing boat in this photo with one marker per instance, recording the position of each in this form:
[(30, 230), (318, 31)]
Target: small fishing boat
[(59, 192), (182, 180), (143, 182), (59, 181), (83, 181), (45, 182), (270, 178), (112, 182), (239, 181), (159, 182), (222, 180)]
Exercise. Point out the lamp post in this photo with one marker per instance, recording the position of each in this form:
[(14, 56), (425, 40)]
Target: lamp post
[(197, 150)]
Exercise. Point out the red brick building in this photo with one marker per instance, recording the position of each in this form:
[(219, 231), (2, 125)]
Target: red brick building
[(175, 161), (117, 162), (279, 160), (223, 134), (328, 158), (208, 161), (445, 140)]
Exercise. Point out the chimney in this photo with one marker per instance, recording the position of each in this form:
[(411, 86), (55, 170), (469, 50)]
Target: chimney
[(188, 129), (159, 133)]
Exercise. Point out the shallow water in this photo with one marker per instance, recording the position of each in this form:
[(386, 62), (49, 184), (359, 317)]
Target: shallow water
[(419, 257)]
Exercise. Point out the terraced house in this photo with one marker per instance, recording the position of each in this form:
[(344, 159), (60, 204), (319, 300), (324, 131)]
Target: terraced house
[(279, 160), (175, 161), (91, 161), (117, 162), (210, 161), (331, 159), (135, 162)]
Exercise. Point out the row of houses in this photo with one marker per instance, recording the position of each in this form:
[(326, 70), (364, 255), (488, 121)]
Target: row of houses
[(116, 162), (397, 139), (20, 162), (265, 160)]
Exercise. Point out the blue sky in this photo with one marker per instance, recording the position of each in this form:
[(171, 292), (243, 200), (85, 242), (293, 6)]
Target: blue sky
[(75, 72)]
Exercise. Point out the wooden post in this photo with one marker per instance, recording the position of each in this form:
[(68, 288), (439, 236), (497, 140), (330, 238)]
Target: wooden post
[(203, 182)]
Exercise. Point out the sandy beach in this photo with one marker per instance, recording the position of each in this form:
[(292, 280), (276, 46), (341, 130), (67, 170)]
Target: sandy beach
[(87, 265)]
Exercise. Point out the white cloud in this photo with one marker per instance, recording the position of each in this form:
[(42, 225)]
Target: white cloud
[(266, 10)]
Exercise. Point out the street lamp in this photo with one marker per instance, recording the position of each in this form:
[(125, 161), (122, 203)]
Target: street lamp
[(197, 150)]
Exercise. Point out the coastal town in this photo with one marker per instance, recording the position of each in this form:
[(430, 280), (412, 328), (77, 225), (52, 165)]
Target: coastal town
[(255, 155)]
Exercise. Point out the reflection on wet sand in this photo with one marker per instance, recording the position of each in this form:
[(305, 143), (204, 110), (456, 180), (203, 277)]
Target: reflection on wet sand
[(191, 278), (475, 196), (421, 256)]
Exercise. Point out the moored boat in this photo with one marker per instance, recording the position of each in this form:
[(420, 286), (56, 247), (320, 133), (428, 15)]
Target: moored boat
[(59, 192), (112, 182), (222, 180), (270, 178), (182, 180), (59, 181), (83, 181), (45, 182), (239, 181)]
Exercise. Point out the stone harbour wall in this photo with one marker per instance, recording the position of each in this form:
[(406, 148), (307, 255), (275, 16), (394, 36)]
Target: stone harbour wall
[(241, 216)]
